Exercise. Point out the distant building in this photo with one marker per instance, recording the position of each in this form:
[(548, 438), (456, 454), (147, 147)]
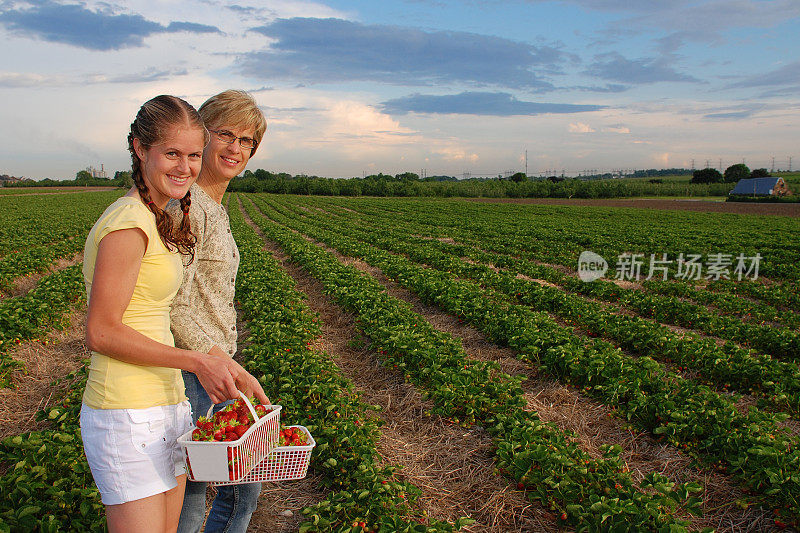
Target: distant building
[(762, 187), (5, 179), (98, 173)]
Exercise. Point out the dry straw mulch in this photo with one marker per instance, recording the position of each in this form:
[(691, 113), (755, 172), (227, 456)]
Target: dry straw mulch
[(45, 361)]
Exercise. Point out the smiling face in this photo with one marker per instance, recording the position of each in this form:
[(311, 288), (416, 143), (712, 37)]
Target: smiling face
[(170, 167), (222, 161)]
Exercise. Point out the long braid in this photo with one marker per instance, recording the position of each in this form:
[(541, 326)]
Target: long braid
[(186, 202), (180, 238)]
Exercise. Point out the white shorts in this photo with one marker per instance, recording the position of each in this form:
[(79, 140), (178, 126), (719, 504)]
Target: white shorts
[(133, 453)]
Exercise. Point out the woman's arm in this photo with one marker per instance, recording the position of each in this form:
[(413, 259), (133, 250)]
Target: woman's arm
[(119, 257)]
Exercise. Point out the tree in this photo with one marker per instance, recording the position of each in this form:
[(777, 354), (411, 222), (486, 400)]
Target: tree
[(707, 175), (122, 178), (736, 172), (759, 173), (407, 176), (519, 177), (83, 176)]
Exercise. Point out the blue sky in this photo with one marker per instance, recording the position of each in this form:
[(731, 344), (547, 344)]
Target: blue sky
[(451, 87)]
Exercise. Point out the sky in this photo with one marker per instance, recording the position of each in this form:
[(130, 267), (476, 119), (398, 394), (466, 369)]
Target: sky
[(437, 87)]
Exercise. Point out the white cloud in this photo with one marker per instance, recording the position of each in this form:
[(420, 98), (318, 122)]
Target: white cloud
[(580, 127), (455, 154), (25, 79), (662, 159)]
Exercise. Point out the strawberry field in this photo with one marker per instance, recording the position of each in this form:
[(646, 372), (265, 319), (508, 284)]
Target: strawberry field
[(454, 370)]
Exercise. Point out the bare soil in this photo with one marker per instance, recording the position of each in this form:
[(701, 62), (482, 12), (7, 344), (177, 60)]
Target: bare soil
[(701, 206)]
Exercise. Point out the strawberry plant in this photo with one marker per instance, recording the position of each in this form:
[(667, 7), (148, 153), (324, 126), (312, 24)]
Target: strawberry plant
[(46, 306)]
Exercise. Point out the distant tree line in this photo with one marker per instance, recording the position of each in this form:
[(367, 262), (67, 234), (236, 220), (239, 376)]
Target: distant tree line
[(519, 185), (122, 178), (732, 174)]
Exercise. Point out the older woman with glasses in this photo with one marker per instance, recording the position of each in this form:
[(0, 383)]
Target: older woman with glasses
[(203, 316)]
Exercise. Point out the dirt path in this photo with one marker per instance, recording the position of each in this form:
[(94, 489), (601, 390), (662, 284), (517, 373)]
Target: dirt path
[(21, 285), (701, 206), (453, 467), (588, 419), (59, 190)]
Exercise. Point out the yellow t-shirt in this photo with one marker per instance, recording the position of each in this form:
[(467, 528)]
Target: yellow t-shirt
[(114, 384)]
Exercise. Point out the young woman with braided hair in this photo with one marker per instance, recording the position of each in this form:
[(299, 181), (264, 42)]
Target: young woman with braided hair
[(134, 406)]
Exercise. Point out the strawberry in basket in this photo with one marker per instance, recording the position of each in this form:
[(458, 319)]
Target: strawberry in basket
[(229, 423), (292, 436)]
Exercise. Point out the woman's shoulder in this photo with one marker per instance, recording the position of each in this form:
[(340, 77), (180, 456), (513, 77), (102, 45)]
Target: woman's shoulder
[(125, 213), (126, 209)]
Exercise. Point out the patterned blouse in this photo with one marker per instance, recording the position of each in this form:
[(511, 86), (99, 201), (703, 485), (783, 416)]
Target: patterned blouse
[(202, 312)]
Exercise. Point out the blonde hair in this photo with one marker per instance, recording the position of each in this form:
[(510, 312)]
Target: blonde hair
[(235, 108)]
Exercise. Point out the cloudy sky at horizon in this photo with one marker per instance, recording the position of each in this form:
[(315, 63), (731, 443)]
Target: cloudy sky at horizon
[(452, 87)]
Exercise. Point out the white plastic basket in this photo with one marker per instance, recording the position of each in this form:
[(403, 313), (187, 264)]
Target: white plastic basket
[(283, 464), (230, 461)]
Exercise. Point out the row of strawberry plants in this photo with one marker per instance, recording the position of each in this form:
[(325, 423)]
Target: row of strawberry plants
[(725, 303), (36, 259), (749, 305), (560, 233), (754, 447), (48, 486), (35, 220), (314, 393), (545, 237), (595, 494), (729, 365), (779, 342), (45, 306), (780, 295)]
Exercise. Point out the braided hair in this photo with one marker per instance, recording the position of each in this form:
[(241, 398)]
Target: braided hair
[(152, 121)]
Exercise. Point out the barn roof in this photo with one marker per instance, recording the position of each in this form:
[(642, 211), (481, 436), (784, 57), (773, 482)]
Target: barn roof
[(755, 186)]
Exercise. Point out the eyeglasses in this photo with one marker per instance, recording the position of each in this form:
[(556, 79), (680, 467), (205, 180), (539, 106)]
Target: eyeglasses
[(227, 137)]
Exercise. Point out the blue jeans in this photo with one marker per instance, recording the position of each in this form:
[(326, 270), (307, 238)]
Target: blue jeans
[(234, 504)]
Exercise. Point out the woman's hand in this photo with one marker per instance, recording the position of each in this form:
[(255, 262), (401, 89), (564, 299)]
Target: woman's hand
[(223, 378), (251, 387), (216, 378)]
